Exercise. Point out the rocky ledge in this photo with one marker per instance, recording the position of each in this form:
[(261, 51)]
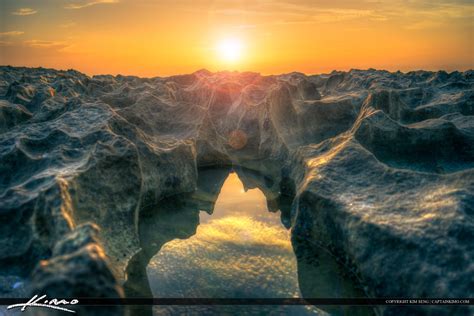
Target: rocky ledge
[(380, 164)]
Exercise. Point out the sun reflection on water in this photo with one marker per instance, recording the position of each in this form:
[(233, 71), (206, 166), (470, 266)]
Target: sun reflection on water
[(240, 251), (241, 244)]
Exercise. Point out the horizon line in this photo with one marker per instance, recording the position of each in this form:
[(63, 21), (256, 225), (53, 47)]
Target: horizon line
[(241, 71)]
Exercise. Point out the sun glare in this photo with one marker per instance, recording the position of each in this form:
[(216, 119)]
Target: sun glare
[(229, 50)]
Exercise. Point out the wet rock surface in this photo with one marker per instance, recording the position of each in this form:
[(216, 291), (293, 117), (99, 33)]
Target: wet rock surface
[(380, 165)]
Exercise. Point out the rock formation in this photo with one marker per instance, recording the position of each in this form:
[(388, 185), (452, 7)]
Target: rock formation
[(380, 164)]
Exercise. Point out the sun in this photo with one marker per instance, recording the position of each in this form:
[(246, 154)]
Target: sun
[(229, 49)]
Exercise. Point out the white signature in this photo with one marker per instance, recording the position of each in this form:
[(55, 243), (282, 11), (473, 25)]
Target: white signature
[(36, 301)]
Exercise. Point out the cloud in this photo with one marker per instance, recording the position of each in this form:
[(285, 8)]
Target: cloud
[(88, 3), (11, 33), (44, 44), (302, 13), (24, 11), (431, 15), (68, 25), (415, 14), (338, 15), (423, 25), (6, 43)]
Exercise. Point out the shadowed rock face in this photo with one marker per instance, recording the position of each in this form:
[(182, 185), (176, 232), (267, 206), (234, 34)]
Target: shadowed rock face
[(381, 164)]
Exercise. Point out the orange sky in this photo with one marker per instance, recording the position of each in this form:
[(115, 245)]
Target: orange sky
[(153, 38)]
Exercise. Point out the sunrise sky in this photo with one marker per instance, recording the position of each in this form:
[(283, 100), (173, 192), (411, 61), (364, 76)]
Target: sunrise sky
[(163, 37)]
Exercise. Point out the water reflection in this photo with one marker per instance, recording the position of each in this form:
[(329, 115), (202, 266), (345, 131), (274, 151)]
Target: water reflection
[(175, 217), (239, 251), (234, 249)]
